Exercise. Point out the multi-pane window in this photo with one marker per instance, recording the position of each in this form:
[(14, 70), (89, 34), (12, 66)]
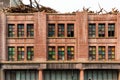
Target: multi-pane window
[(111, 52), (91, 30), (20, 53), (30, 30), (70, 53), (20, 30), (111, 30), (51, 53), (11, 53), (101, 30), (101, 52), (30, 53), (11, 30), (51, 30), (61, 30), (70, 30), (61, 53), (92, 52)]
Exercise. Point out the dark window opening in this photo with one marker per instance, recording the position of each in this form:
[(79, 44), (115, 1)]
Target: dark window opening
[(70, 30), (101, 30)]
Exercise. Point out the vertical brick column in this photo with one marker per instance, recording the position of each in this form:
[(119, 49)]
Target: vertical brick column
[(40, 75), (3, 36), (2, 74), (119, 75), (81, 74)]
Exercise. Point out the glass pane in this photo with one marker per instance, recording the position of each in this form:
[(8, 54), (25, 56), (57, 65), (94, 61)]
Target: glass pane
[(52, 75), (17, 75), (58, 75), (7, 75), (27, 75), (105, 75), (89, 75), (32, 75), (85, 75), (115, 75), (94, 75), (100, 77), (69, 75), (63, 75), (109, 75), (47, 75), (22, 75)]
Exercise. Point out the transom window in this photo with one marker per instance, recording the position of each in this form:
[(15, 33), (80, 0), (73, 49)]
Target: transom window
[(111, 30), (11, 53), (51, 53), (101, 52), (111, 52), (11, 30), (92, 53), (21, 51), (61, 30), (91, 30), (20, 29), (70, 30), (101, 30), (30, 30)]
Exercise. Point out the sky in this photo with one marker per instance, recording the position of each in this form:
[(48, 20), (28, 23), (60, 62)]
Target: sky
[(64, 6)]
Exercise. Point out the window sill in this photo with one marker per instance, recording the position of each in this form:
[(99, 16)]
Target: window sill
[(102, 38), (20, 37), (61, 37)]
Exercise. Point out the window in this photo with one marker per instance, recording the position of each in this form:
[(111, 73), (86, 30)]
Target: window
[(21, 75), (101, 52), (11, 30), (111, 52), (20, 51), (101, 30), (92, 52), (51, 53), (91, 30), (11, 53), (70, 53), (20, 30), (111, 30), (51, 30), (61, 31), (61, 53), (30, 53), (30, 30), (70, 30)]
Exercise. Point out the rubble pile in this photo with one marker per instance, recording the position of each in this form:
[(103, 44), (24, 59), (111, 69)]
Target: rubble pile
[(28, 9)]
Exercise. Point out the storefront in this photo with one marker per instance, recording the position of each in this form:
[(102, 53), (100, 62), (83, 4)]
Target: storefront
[(61, 75), (21, 75), (101, 74)]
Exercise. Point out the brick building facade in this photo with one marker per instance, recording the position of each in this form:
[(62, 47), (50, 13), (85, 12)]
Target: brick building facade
[(42, 46)]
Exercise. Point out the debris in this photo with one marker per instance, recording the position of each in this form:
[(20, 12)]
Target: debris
[(22, 8)]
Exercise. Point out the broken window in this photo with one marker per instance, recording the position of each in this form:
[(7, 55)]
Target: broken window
[(11, 53), (30, 30), (101, 30), (51, 30), (61, 30), (51, 53), (61, 53), (70, 30), (101, 52), (20, 53), (11, 30), (30, 52), (111, 30), (20, 30), (70, 53), (91, 30), (92, 52), (111, 52)]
